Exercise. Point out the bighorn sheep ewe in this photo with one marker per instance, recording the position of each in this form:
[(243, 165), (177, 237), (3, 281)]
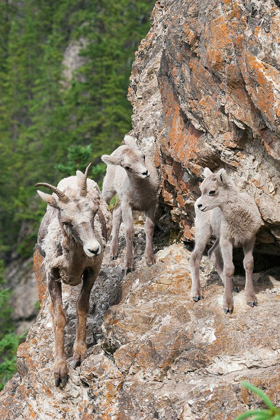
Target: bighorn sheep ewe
[(135, 182), (71, 238), (234, 219)]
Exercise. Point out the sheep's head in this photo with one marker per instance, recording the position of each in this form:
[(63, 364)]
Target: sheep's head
[(214, 190), (77, 208), (130, 158)]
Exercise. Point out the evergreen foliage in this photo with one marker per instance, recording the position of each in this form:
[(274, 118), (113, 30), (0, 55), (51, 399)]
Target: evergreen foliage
[(9, 341), (49, 122)]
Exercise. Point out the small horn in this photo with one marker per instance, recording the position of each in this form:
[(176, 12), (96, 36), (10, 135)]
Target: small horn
[(62, 197), (83, 191)]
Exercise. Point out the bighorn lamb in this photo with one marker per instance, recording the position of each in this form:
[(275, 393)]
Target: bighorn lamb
[(72, 238), (135, 182), (234, 219)]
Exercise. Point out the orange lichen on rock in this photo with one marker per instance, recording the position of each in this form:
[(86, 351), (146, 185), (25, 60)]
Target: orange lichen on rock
[(220, 44), (261, 87)]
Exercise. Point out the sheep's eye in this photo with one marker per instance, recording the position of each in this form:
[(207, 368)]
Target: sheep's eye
[(127, 168), (212, 192), (67, 224)]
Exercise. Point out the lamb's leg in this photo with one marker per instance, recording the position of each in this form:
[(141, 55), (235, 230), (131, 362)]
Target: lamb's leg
[(80, 347), (228, 271), (108, 189), (117, 218), (58, 316), (202, 235), (149, 230), (129, 235), (248, 264), (215, 257)]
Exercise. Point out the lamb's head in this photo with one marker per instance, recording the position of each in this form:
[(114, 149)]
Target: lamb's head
[(77, 208), (130, 158), (214, 190)]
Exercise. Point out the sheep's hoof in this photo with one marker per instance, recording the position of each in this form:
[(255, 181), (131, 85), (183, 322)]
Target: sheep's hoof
[(76, 363), (228, 311), (197, 298), (61, 381), (252, 304), (127, 270), (235, 289)]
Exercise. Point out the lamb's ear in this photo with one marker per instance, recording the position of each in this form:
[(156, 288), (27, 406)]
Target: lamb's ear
[(80, 177), (130, 141), (222, 176), (48, 198), (207, 172), (111, 160)]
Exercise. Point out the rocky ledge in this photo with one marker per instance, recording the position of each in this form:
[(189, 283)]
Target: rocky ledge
[(153, 353)]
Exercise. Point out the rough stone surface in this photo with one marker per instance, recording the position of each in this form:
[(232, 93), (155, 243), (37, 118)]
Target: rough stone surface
[(206, 86), (152, 352)]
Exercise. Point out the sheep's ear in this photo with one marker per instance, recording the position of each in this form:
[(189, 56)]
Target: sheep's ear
[(130, 141), (111, 160), (48, 198), (207, 172), (222, 176)]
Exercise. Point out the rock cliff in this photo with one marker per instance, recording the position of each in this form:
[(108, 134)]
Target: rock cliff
[(158, 355), (205, 92), (205, 86)]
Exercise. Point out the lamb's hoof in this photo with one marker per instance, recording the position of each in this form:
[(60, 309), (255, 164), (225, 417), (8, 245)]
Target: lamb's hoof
[(197, 298), (64, 382), (235, 289), (113, 257), (228, 311), (127, 271), (252, 304), (150, 261)]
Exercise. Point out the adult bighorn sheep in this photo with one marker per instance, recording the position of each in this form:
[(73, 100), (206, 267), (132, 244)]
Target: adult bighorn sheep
[(72, 238), (234, 219), (135, 181)]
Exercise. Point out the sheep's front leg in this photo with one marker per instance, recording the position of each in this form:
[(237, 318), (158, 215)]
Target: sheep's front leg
[(149, 230), (117, 218), (58, 316), (248, 264), (228, 271), (129, 235), (80, 347)]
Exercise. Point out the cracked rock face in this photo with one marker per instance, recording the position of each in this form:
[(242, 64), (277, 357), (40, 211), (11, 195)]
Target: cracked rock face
[(206, 85)]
